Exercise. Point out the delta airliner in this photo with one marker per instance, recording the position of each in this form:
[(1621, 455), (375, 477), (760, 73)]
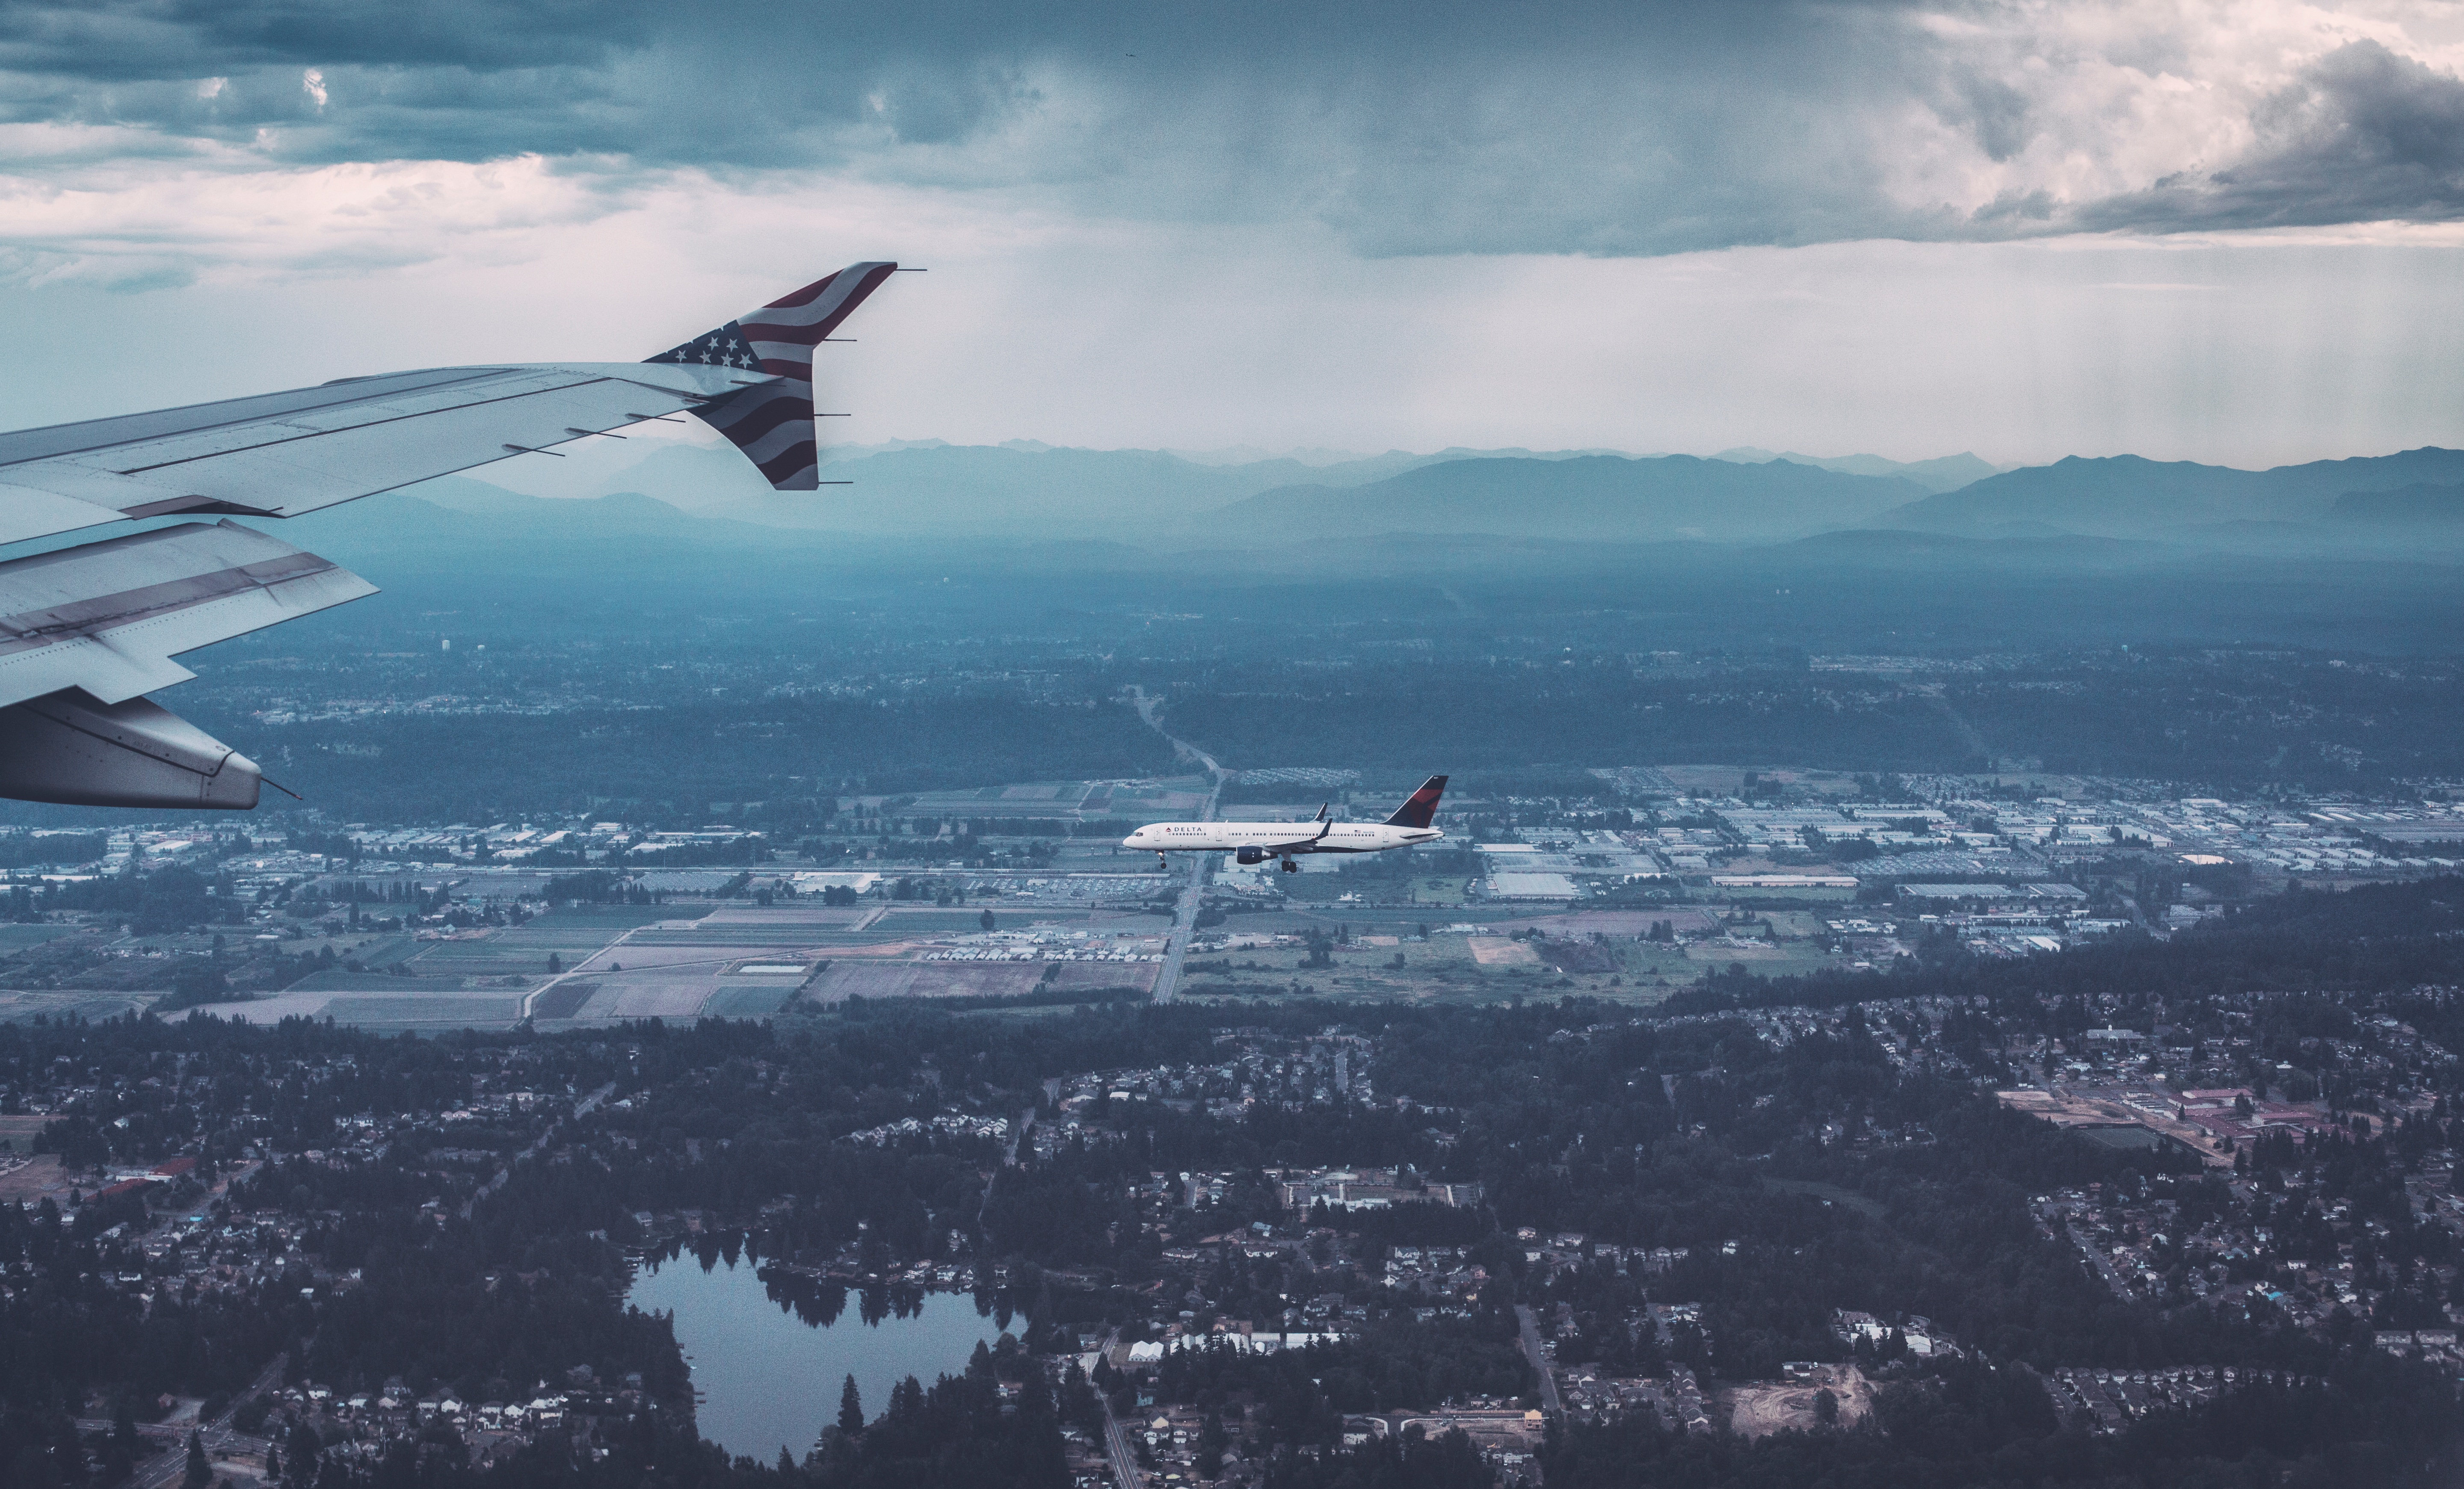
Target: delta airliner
[(1254, 842)]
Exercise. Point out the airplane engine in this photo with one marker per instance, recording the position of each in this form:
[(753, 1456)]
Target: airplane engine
[(71, 747), (1250, 856)]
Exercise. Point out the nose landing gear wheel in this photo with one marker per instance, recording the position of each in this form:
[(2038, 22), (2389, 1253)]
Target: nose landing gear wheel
[(1163, 862)]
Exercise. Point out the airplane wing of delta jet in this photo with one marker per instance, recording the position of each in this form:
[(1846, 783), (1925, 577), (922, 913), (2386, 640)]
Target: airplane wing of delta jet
[(1324, 825)]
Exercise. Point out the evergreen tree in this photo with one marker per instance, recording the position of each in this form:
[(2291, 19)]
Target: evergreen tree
[(1211, 1443), (850, 1407)]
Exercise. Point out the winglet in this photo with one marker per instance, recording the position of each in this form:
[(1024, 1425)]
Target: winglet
[(1322, 813), (772, 421), (1422, 805)]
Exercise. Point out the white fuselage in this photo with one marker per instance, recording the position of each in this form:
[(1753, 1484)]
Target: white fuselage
[(1276, 839)]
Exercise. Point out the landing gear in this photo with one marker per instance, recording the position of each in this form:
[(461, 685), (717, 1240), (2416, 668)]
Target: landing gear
[(1162, 863), (1291, 867)]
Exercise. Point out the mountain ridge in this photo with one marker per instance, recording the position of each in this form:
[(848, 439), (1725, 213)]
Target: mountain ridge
[(2133, 497), (1593, 497)]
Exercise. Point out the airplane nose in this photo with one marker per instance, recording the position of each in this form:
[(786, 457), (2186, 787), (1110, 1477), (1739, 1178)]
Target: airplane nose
[(1132, 840)]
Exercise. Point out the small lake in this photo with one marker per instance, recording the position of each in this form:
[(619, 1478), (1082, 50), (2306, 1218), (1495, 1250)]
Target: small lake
[(769, 1379)]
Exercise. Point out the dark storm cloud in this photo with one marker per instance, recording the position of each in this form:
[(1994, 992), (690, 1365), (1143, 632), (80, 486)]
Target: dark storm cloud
[(2365, 135), (1427, 128)]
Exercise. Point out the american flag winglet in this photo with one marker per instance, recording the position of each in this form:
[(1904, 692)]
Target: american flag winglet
[(772, 421)]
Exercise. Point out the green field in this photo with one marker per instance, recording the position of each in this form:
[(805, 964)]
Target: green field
[(720, 938), (371, 982), (451, 1009), (615, 917), (938, 921), (749, 1002)]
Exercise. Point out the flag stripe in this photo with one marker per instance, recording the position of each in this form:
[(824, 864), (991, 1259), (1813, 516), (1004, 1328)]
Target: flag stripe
[(794, 470), (764, 402), (772, 423), (785, 434), (827, 302)]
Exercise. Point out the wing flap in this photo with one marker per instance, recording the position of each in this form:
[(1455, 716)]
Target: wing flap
[(108, 616)]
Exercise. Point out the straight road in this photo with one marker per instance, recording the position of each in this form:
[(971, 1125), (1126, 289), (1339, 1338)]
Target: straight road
[(1184, 920), (1538, 1357), (1117, 1441), (1201, 870)]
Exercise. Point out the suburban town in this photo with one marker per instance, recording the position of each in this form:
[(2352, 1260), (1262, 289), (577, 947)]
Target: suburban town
[(1628, 893), (2299, 1186)]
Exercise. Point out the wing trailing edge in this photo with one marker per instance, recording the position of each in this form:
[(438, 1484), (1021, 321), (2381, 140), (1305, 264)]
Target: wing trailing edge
[(109, 617)]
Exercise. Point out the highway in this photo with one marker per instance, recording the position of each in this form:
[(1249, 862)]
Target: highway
[(1201, 868)]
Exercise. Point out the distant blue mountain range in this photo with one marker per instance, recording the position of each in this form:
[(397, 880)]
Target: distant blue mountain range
[(1155, 500)]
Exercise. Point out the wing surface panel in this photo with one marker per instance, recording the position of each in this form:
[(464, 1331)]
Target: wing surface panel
[(42, 443), (109, 617), (284, 454)]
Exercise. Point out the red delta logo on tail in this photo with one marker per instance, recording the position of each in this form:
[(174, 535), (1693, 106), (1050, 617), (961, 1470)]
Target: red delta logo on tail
[(1423, 806)]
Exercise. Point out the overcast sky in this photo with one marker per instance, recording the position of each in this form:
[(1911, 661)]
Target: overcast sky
[(2227, 232)]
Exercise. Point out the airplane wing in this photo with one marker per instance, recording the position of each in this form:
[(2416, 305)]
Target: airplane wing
[(281, 455), (94, 627), (1323, 826)]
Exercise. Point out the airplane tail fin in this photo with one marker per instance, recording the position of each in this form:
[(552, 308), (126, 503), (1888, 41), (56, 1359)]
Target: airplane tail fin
[(772, 421), (1421, 807), (1322, 812)]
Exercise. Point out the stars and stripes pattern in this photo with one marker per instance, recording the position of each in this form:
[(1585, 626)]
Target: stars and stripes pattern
[(724, 348), (772, 420)]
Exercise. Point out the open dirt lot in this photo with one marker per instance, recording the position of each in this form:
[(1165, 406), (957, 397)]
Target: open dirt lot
[(1726, 951), (1759, 1411), (842, 980), (18, 1133), (1499, 952), (30, 1181)]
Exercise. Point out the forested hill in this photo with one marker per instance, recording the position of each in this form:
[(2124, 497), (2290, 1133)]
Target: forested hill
[(2131, 496), (2379, 938)]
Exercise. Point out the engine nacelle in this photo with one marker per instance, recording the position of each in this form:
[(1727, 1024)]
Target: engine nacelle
[(1252, 855), (71, 747)]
